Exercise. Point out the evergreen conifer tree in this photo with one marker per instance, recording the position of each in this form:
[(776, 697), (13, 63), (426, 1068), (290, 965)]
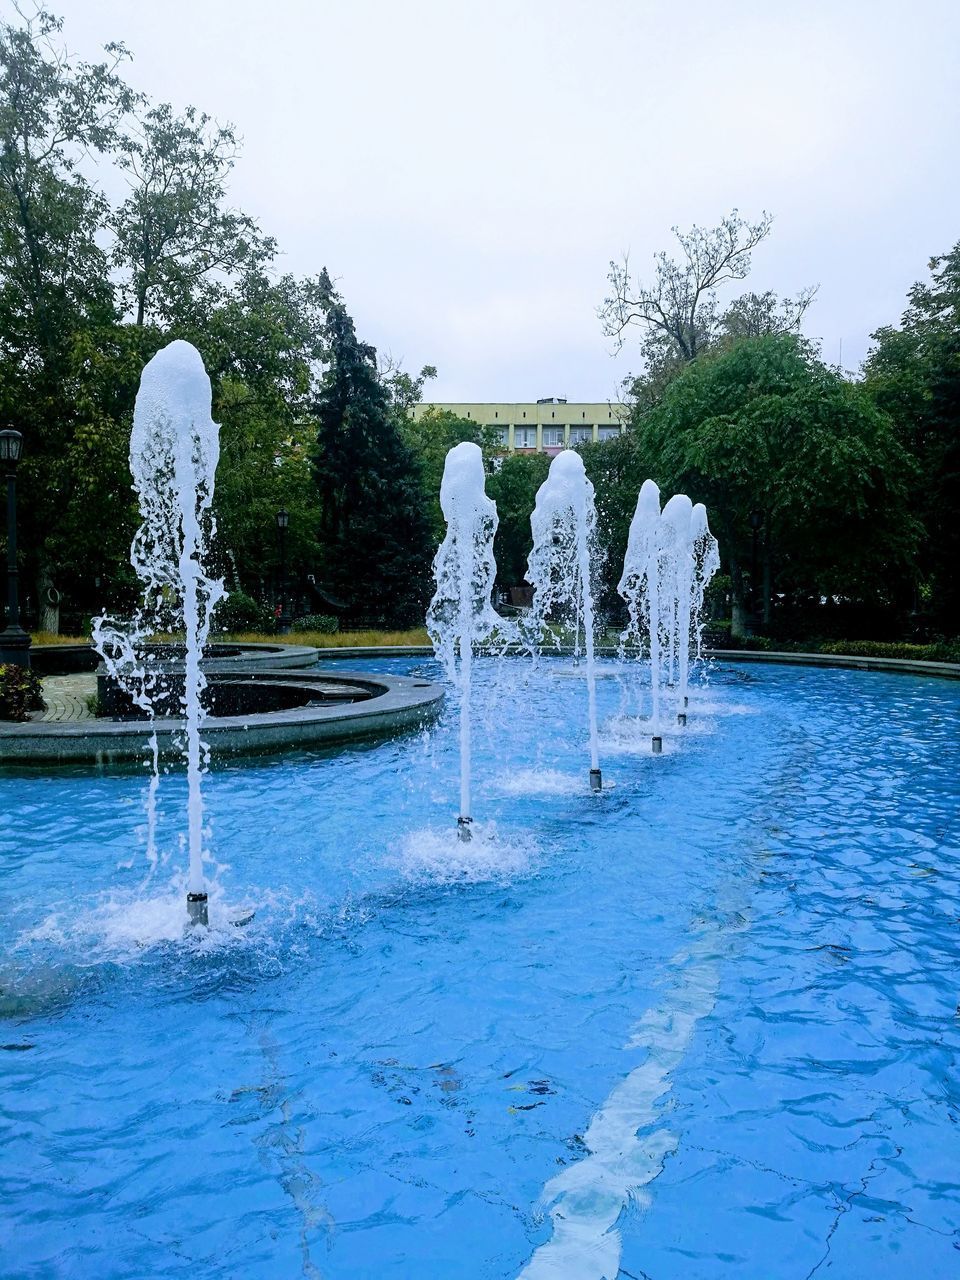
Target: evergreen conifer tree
[(375, 528)]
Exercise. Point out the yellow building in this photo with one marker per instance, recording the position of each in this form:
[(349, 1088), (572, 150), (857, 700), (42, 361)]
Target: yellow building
[(546, 426)]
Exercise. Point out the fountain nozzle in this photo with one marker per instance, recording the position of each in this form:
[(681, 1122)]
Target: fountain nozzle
[(463, 829), (197, 910), (596, 782), (656, 744)]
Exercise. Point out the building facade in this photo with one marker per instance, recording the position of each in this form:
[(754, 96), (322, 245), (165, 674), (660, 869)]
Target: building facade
[(542, 426)]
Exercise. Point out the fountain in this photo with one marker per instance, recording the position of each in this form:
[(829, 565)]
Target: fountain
[(706, 562), (671, 557), (174, 450), (640, 587), (564, 531), (676, 583), (407, 1025), (461, 612)]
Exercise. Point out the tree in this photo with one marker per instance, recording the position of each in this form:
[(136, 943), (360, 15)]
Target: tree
[(70, 363), (766, 426), (430, 438), (679, 311), (913, 374), (55, 289), (175, 238), (374, 528), (514, 489)]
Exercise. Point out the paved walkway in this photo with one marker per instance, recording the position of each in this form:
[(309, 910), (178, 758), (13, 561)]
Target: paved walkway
[(66, 697)]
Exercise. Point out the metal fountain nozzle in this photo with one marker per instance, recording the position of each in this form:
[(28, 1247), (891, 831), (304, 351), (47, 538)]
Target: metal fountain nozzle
[(197, 910)]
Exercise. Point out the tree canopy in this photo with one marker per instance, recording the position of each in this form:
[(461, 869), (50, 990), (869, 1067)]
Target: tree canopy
[(374, 524), (913, 374)]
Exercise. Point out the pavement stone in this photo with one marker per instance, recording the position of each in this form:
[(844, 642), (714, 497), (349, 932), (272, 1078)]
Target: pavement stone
[(66, 697)]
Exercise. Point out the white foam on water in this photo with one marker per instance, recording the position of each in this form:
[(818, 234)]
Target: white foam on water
[(440, 857), (631, 735), (540, 782), (125, 924)]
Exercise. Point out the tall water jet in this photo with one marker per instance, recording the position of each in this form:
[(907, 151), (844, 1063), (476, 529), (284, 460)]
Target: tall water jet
[(640, 587), (677, 549), (461, 612), (706, 562), (564, 534), (174, 450)]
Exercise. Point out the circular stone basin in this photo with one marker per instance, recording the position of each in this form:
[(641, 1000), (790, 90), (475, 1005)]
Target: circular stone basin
[(702, 1024), (251, 712)]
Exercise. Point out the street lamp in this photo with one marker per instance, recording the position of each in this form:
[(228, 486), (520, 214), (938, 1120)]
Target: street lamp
[(283, 619), (14, 641)]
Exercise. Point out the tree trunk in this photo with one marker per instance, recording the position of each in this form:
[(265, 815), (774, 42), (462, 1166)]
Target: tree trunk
[(767, 582)]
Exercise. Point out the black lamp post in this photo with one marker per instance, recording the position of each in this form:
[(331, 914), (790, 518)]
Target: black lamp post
[(14, 641), (283, 621), (756, 524)]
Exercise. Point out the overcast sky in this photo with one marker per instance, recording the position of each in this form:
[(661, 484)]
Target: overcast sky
[(467, 170)]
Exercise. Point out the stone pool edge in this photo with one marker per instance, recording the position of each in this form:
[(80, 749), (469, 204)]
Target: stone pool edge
[(405, 703), (905, 666)]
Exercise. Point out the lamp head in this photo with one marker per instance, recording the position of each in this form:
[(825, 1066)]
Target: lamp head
[(11, 447)]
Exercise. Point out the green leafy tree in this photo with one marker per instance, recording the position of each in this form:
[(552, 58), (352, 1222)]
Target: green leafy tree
[(513, 486), (430, 438), (176, 240), (678, 309), (374, 526), (913, 374), (55, 290), (766, 426)]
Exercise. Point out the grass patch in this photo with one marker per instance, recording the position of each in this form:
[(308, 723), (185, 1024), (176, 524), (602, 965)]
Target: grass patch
[(48, 637), (339, 640)]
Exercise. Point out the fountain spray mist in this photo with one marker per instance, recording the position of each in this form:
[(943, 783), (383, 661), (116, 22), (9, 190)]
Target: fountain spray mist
[(640, 587), (174, 450), (461, 612), (677, 580), (706, 562), (564, 523)]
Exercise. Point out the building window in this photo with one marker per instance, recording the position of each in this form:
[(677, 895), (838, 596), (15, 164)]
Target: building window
[(524, 437), (609, 433), (552, 437), (579, 435), (503, 435)]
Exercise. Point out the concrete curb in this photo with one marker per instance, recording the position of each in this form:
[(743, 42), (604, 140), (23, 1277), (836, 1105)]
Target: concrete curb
[(401, 703), (905, 666)]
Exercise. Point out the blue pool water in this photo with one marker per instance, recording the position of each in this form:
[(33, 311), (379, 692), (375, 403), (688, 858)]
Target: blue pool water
[(702, 1025)]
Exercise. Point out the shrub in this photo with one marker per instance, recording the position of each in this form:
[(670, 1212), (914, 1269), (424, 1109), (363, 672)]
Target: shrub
[(325, 623), (19, 692), (240, 612)]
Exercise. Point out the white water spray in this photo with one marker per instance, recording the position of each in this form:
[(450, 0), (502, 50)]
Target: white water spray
[(640, 586), (564, 532), (706, 562), (677, 583), (461, 612), (174, 450)]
